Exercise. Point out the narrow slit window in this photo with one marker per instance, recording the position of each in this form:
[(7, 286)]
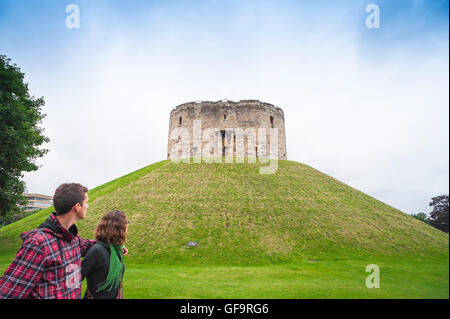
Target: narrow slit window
[(181, 120), (271, 121)]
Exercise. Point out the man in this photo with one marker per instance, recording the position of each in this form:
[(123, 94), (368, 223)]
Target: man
[(48, 265)]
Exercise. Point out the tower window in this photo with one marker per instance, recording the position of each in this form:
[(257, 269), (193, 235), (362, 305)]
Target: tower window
[(222, 133), (224, 117), (271, 121), (181, 120)]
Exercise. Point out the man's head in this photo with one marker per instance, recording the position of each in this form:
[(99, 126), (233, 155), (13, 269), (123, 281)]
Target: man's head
[(71, 197)]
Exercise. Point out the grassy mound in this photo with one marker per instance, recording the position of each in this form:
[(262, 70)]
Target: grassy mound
[(240, 217)]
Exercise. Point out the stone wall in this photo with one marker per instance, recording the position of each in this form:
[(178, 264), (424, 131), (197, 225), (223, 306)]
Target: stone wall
[(228, 120)]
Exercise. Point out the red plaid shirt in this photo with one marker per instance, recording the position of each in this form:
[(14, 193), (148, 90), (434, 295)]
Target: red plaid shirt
[(40, 271)]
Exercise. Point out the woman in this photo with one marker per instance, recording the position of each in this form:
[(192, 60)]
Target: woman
[(103, 265)]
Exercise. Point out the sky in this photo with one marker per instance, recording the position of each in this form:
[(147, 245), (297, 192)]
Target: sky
[(367, 106)]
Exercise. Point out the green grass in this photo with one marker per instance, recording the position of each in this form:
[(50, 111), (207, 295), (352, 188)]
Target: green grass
[(331, 279), (9, 234), (257, 235)]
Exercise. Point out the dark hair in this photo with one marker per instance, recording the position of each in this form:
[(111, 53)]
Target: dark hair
[(112, 228), (67, 195)]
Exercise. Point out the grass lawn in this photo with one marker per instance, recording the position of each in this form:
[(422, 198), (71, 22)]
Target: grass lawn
[(333, 279), (328, 279), (298, 233)]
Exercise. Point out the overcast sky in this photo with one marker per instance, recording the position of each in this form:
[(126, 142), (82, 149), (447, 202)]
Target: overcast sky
[(369, 107)]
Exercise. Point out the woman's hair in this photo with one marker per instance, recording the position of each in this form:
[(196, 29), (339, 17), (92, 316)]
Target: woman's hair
[(112, 228)]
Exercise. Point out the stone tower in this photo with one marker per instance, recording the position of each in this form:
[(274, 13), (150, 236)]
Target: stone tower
[(239, 128)]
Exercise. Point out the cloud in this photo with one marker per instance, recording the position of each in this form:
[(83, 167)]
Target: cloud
[(370, 112)]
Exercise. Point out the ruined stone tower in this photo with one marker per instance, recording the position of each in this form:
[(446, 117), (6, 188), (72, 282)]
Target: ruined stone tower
[(239, 128)]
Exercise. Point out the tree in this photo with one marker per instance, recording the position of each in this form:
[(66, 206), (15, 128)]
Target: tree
[(13, 217), (20, 135), (439, 215), (422, 217)]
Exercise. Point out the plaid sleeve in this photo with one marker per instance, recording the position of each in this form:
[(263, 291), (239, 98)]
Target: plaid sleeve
[(85, 245), (24, 272)]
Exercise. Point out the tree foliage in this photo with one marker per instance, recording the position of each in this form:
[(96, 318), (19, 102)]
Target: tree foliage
[(15, 216), (20, 134), (439, 214), (422, 217)]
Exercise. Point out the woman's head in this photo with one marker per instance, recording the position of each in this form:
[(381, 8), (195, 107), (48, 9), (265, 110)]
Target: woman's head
[(112, 228)]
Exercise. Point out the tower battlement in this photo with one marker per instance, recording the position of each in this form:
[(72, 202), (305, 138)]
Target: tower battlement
[(226, 118)]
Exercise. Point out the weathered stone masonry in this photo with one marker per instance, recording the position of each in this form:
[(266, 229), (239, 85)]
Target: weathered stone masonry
[(226, 117)]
